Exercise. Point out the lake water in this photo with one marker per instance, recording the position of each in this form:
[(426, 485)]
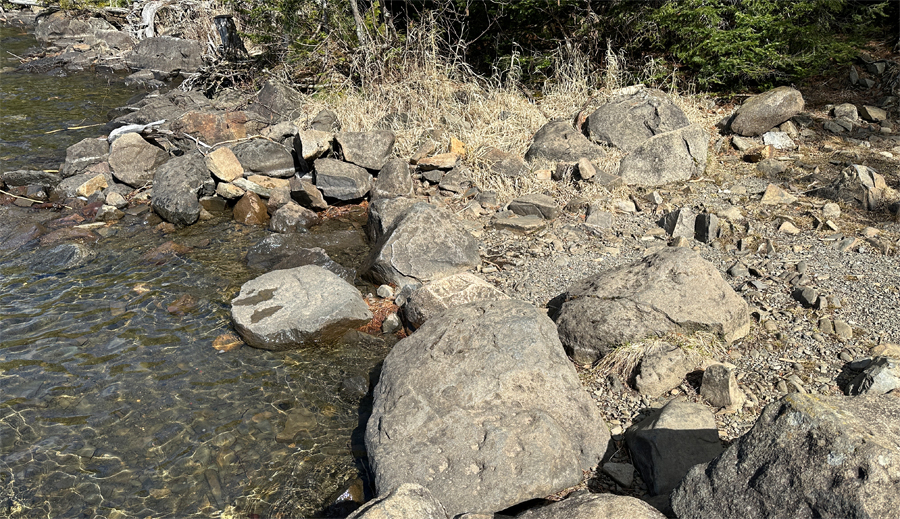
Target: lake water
[(113, 401)]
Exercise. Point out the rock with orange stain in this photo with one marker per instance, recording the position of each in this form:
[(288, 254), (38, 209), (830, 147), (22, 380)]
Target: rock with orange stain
[(250, 210), (227, 342), (165, 252), (183, 305)]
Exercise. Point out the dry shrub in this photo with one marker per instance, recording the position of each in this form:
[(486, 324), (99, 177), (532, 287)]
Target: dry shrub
[(624, 359)]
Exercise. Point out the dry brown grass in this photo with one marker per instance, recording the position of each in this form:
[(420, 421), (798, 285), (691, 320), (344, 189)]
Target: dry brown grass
[(437, 97), (624, 360)]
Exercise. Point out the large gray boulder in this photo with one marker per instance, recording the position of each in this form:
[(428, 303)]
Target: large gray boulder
[(627, 121), (806, 456), (175, 188), (407, 501), (134, 160), (673, 290), (167, 54), (765, 111), (436, 296), (394, 180), (342, 180), (666, 444), (667, 157), (482, 407), (558, 141), (368, 150), (584, 505), (289, 308), (84, 154), (425, 244), (265, 157)]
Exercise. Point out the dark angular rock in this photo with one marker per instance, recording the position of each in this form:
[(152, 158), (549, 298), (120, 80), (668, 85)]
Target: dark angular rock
[(265, 158), (680, 222), (806, 296), (306, 193), (806, 456), (666, 444), (880, 377), (384, 213), (277, 102), (706, 227), (394, 180), (342, 180), (325, 121), (176, 186)]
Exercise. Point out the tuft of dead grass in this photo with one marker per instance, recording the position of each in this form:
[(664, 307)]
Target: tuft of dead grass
[(624, 359)]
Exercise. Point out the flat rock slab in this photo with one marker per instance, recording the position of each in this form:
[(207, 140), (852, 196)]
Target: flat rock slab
[(670, 290), (436, 296), (765, 111), (481, 406), (667, 157), (535, 204), (806, 456), (594, 506), (286, 309), (265, 157), (167, 54)]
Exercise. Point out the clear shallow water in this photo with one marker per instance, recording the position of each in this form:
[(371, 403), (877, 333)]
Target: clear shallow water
[(33, 104), (113, 401)]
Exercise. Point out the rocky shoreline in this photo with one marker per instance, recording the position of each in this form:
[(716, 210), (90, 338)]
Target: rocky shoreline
[(721, 289)]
